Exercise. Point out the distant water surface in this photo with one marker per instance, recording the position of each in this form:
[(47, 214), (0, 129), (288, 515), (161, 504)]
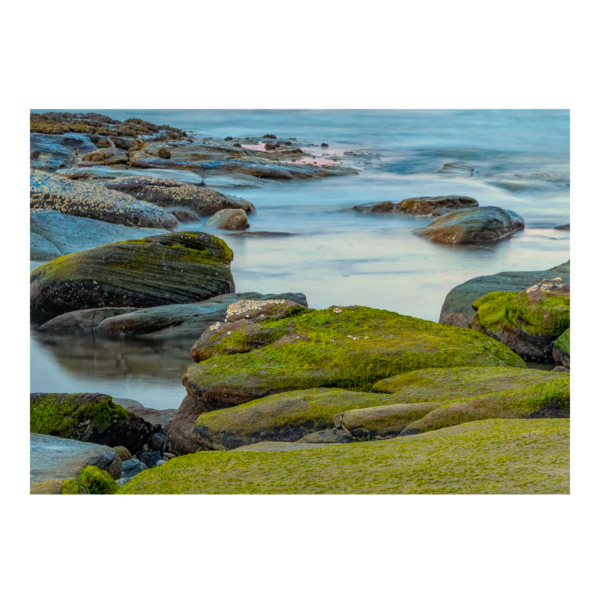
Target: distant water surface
[(520, 161)]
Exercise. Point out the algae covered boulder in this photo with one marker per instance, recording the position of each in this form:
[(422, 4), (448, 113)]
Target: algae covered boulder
[(169, 193), (97, 481), (94, 201), (91, 418), (285, 417), (528, 322), (473, 225), (164, 269), (349, 348), (561, 352), (496, 456), (458, 305)]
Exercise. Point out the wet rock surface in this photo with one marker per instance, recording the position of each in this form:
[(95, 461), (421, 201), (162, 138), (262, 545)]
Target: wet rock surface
[(161, 322), (94, 201), (53, 458), (53, 234), (93, 418), (473, 225), (561, 351), (229, 220), (528, 322), (458, 305), (157, 270), (170, 193), (51, 152)]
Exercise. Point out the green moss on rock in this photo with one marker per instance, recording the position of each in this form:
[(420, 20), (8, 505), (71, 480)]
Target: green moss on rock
[(351, 349), (98, 481), (487, 457), (74, 486)]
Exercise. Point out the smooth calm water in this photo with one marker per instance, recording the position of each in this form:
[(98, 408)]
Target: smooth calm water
[(342, 257)]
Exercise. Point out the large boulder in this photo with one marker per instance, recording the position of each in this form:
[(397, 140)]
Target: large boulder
[(561, 351), (94, 201), (527, 322), (164, 269), (51, 152), (229, 219), (473, 225), (458, 305), (349, 348), (55, 460), (53, 234), (174, 321), (423, 206), (169, 193), (497, 456), (93, 418)]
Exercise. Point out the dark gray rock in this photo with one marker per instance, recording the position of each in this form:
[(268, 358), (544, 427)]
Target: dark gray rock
[(458, 305), (149, 458), (157, 441), (566, 227), (160, 418), (473, 225), (132, 467)]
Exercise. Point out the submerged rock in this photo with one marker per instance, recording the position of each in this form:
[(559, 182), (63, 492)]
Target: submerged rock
[(566, 227), (458, 167), (527, 322), (55, 460), (229, 219), (103, 172), (349, 348), (473, 225), (53, 234), (170, 193), (51, 152), (93, 418), (423, 206), (483, 457), (160, 322), (458, 305), (94, 201), (164, 269), (561, 352)]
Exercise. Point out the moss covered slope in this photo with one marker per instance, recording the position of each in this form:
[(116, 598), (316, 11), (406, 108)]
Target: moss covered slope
[(164, 269), (487, 457), (351, 349)]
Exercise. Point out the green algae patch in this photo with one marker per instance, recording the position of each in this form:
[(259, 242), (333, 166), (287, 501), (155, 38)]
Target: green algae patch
[(282, 417), (351, 349), (535, 314), (51, 486), (98, 481), (73, 486), (564, 342), (486, 457)]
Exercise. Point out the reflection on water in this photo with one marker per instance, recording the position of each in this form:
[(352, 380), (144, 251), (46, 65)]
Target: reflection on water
[(521, 161), (147, 371)]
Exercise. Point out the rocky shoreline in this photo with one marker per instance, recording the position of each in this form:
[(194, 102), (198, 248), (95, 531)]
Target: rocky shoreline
[(279, 391)]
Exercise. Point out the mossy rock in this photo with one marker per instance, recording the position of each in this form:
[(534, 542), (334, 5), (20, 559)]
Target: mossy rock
[(51, 486), (123, 453), (174, 268), (93, 418), (350, 349), (561, 351), (286, 417), (97, 481), (527, 322), (452, 396), (486, 457), (473, 225), (74, 486)]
